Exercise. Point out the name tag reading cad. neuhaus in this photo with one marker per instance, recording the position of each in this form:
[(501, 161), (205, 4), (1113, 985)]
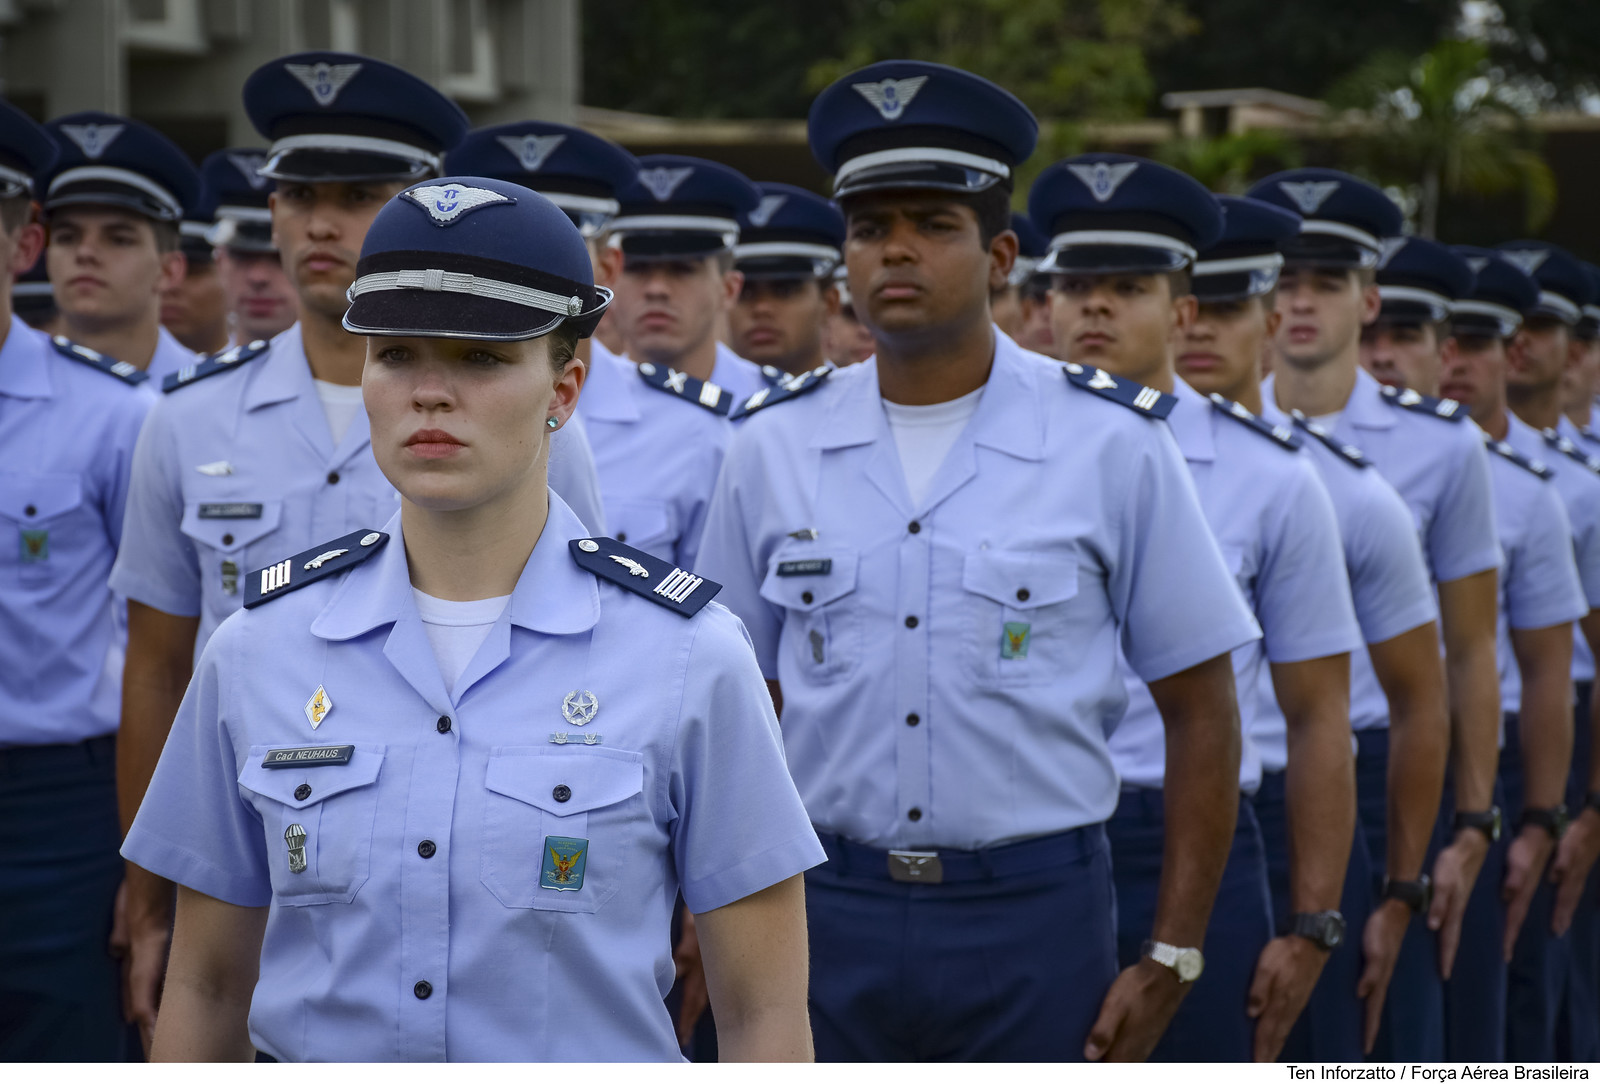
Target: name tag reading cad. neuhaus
[(309, 756)]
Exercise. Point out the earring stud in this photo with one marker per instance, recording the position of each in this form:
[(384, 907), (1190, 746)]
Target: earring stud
[(551, 422)]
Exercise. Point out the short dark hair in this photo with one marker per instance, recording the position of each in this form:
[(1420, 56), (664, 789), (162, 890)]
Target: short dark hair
[(15, 212), (1180, 283), (563, 346), (167, 236)]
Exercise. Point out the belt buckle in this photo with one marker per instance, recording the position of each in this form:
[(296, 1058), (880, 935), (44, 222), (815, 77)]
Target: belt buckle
[(916, 867)]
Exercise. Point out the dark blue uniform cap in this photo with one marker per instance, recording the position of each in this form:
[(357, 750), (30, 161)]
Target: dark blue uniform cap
[(1589, 327), (1344, 219), (678, 206), (576, 170), (910, 124), (473, 258), (1501, 292), (233, 177), (791, 233), (1246, 259), (1108, 213), (118, 162), (1420, 280), (26, 151), (1032, 248), (344, 117), (1564, 286), (199, 220)]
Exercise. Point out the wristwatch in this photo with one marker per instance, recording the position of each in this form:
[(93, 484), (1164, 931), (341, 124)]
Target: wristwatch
[(1186, 963), (1416, 895), (1325, 929), (1552, 820), (1487, 822), (1592, 800)]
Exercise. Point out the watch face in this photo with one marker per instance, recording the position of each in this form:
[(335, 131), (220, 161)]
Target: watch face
[(1189, 964), (1333, 935)]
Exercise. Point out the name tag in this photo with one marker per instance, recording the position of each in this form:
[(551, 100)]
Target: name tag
[(310, 756), (806, 568), (237, 510)]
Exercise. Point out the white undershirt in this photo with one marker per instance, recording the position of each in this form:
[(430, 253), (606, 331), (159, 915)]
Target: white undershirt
[(340, 403), (1329, 421), (456, 630), (924, 436)]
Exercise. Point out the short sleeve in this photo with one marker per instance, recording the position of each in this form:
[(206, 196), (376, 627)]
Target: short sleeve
[(1388, 576), (740, 826), (157, 564), (573, 475), (1171, 591), (1303, 590), (193, 827), (1542, 587), (728, 556), (1461, 539)]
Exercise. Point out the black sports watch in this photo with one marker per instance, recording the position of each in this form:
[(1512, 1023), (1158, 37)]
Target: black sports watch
[(1592, 800), (1325, 929), (1416, 895), (1552, 820), (1487, 822)]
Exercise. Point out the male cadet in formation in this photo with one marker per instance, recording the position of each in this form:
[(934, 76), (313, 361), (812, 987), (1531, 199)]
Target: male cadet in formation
[(787, 251), (68, 423), (959, 537), (194, 310), (1396, 676), (1325, 294), (1022, 309), (1537, 358), (265, 448), (112, 204), (1124, 233), (676, 229), (1542, 596), (1582, 383), (259, 297)]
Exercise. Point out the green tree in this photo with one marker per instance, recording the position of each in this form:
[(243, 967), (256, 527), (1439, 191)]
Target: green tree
[(1448, 123), (1229, 163)]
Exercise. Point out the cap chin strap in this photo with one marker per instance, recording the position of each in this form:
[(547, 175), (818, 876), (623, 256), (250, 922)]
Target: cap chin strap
[(1270, 261), (919, 155), (434, 280), (727, 227), (1122, 238), (1437, 304), (1508, 319), (759, 250), (591, 205), (9, 176), (318, 141), (115, 175), (1559, 306), (1329, 228)]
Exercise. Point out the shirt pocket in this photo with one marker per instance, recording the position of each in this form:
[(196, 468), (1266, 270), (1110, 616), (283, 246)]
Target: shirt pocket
[(328, 812), (44, 532), (1019, 615), (646, 525), (229, 543), (591, 795), (822, 625)]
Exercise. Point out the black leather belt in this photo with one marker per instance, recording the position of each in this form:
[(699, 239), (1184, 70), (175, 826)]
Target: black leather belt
[(851, 859)]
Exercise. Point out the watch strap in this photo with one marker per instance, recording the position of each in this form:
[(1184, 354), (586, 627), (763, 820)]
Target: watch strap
[(1487, 821), (1552, 819), (1416, 895)]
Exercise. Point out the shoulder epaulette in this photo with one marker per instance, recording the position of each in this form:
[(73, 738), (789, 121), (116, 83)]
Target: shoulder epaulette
[(713, 397), (230, 358), (1567, 448), (128, 374), (644, 574), (1448, 409), (773, 375), (791, 387), (1281, 435), (1348, 452), (314, 564), (1129, 393), (1506, 451)]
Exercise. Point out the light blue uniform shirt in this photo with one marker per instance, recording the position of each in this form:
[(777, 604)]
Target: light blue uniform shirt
[(170, 356), (1276, 528), (1538, 579), (238, 469), (1388, 584), (958, 657), (657, 455), (1579, 488), (686, 791), (741, 377), (67, 433)]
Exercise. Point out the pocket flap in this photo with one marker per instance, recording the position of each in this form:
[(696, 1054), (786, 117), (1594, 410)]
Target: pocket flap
[(565, 781), (1020, 579), (34, 498), (325, 780), (228, 525), (806, 579)]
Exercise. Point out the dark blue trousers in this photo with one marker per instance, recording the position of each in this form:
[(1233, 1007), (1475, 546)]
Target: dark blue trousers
[(1008, 960), (1540, 962), (1413, 1013), (1578, 1021), (1331, 1027), (60, 988), (1210, 1024), (1475, 1004)]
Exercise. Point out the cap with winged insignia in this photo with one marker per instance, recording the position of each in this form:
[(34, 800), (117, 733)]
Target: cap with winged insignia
[(576, 170), (1245, 260), (1564, 284), (26, 151), (1112, 212), (1345, 218), (233, 180), (1420, 280), (679, 206), (791, 234), (106, 159)]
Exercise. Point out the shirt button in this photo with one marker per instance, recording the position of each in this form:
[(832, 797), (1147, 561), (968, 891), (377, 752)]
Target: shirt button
[(30, 511), (913, 719), (562, 793), (426, 848), (423, 990), (333, 480), (807, 597), (444, 724), (302, 792), (915, 814), (227, 540), (622, 536), (913, 526), (911, 622), (1022, 594)]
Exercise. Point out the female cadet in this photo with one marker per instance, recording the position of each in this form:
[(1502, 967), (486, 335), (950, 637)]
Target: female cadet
[(443, 781)]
